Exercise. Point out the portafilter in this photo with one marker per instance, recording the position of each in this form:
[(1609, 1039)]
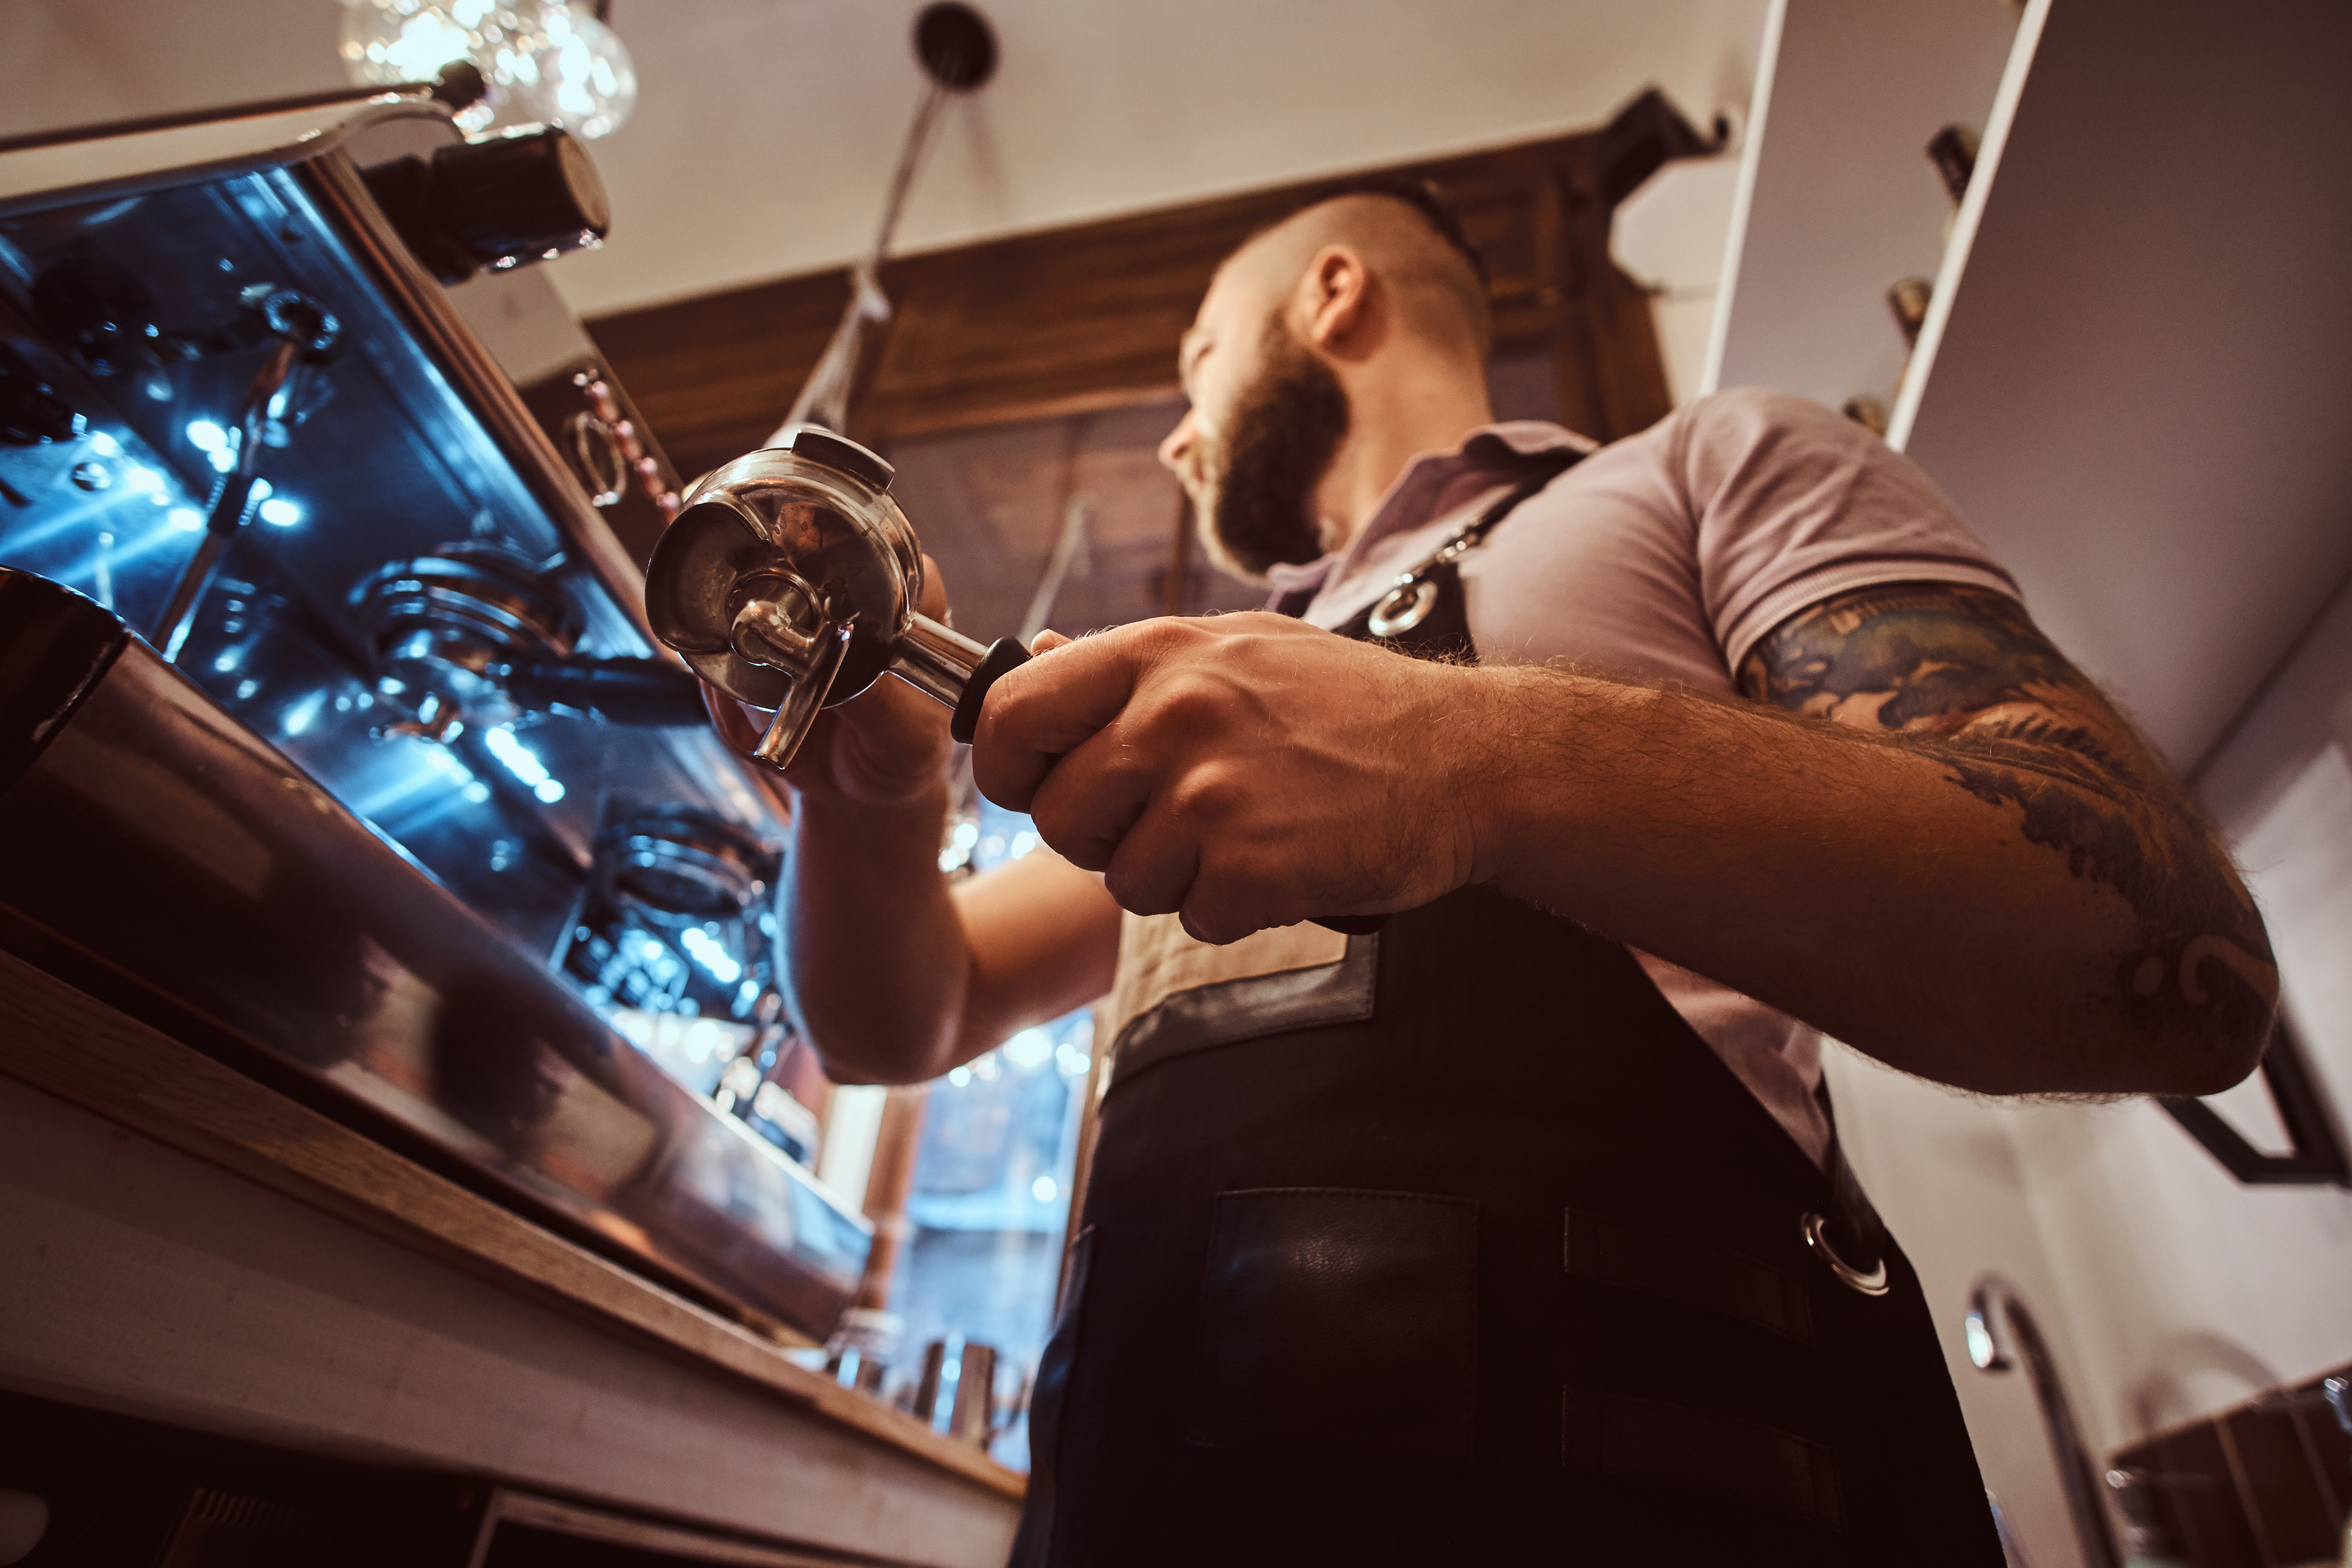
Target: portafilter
[(788, 581)]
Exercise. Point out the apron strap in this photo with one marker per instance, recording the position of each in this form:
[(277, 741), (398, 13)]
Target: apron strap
[(1546, 466)]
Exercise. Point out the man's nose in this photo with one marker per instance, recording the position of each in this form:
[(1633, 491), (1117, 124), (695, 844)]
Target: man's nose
[(1179, 442)]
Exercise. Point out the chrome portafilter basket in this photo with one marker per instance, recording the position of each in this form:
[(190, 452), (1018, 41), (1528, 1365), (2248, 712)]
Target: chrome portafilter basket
[(788, 581), (442, 628), (673, 918), (474, 633), (682, 867)]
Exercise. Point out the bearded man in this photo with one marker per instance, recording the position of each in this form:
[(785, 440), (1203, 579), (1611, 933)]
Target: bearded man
[(1513, 1227)]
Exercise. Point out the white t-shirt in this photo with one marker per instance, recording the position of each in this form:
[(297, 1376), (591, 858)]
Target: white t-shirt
[(1663, 556)]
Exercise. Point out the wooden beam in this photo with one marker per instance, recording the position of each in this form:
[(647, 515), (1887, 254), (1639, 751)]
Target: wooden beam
[(1089, 316)]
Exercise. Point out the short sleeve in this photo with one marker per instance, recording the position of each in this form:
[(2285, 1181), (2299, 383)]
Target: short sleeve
[(1794, 503)]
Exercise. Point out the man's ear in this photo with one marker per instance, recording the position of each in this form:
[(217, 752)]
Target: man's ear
[(1337, 291)]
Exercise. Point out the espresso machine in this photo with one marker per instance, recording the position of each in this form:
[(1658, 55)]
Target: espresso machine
[(334, 739)]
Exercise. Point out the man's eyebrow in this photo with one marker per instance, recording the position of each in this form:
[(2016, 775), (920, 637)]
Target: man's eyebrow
[(1188, 350)]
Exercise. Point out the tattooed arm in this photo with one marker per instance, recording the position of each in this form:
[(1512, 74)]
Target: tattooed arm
[(1941, 844), (1926, 835), (1964, 675)]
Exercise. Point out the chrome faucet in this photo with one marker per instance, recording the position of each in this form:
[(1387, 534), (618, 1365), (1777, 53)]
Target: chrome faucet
[(2000, 1332)]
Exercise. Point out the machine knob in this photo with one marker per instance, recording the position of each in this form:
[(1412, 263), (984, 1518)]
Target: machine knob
[(497, 203), (518, 198)]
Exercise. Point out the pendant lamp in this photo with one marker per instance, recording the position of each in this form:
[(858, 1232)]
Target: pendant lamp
[(545, 62)]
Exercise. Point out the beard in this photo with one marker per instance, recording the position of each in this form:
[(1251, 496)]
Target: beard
[(1286, 427)]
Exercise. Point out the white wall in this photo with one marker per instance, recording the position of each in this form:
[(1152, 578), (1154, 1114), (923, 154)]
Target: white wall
[(2184, 1291), (2167, 1290), (1671, 235), (2134, 388), (1945, 1171)]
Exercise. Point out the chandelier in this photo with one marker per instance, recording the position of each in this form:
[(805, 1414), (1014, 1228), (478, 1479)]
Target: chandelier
[(545, 62)]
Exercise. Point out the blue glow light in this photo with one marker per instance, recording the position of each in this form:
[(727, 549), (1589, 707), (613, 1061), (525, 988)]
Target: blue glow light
[(205, 436), (711, 953), (1029, 1048), (186, 517), (105, 445), (522, 763), (300, 717), (281, 513)]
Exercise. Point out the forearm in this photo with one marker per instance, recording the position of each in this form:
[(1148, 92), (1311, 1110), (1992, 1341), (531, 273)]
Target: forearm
[(878, 967), (898, 974), (1963, 905)]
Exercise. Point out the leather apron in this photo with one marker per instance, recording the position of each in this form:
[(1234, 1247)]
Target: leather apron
[(1461, 1246)]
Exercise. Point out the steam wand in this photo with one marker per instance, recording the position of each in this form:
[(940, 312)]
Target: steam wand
[(307, 333)]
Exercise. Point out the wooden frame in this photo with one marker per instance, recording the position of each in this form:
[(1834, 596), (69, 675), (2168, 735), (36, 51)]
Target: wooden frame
[(1089, 316)]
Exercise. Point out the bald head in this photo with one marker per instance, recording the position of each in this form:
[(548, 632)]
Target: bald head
[(1329, 351), (1436, 292)]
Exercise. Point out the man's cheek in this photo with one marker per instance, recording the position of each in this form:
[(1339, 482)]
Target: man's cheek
[(1201, 489)]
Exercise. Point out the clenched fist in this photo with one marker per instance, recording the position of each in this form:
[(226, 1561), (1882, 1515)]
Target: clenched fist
[(1246, 769)]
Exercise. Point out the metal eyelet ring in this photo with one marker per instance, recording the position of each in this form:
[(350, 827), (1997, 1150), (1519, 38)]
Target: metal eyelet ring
[(597, 458), (1872, 1283), (1403, 607)]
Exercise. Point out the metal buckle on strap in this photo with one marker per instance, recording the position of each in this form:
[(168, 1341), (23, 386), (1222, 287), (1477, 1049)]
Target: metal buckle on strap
[(1403, 607), (1869, 1283)]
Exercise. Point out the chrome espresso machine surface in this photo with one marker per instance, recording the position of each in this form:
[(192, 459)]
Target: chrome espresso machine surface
[(332, 739)]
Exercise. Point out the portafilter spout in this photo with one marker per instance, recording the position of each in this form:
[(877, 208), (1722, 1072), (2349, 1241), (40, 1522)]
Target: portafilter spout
[(788, 581)]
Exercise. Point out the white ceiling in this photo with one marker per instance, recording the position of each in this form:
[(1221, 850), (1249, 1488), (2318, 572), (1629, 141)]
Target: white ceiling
[(765, 129)]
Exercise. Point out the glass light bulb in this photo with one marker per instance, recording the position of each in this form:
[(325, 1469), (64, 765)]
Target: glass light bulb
[(564, 67), (544, 61)]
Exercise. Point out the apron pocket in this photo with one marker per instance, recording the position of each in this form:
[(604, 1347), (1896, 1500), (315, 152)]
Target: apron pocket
[(1668, 1445), (1339, 1325)]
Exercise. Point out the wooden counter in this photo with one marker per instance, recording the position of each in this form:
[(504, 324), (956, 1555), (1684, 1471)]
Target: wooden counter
[(180, 1243)]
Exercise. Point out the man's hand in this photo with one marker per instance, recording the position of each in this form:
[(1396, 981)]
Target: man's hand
[(1246, 769)]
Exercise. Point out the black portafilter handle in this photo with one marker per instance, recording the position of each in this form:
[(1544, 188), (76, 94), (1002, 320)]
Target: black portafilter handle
[(1004, 654)]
